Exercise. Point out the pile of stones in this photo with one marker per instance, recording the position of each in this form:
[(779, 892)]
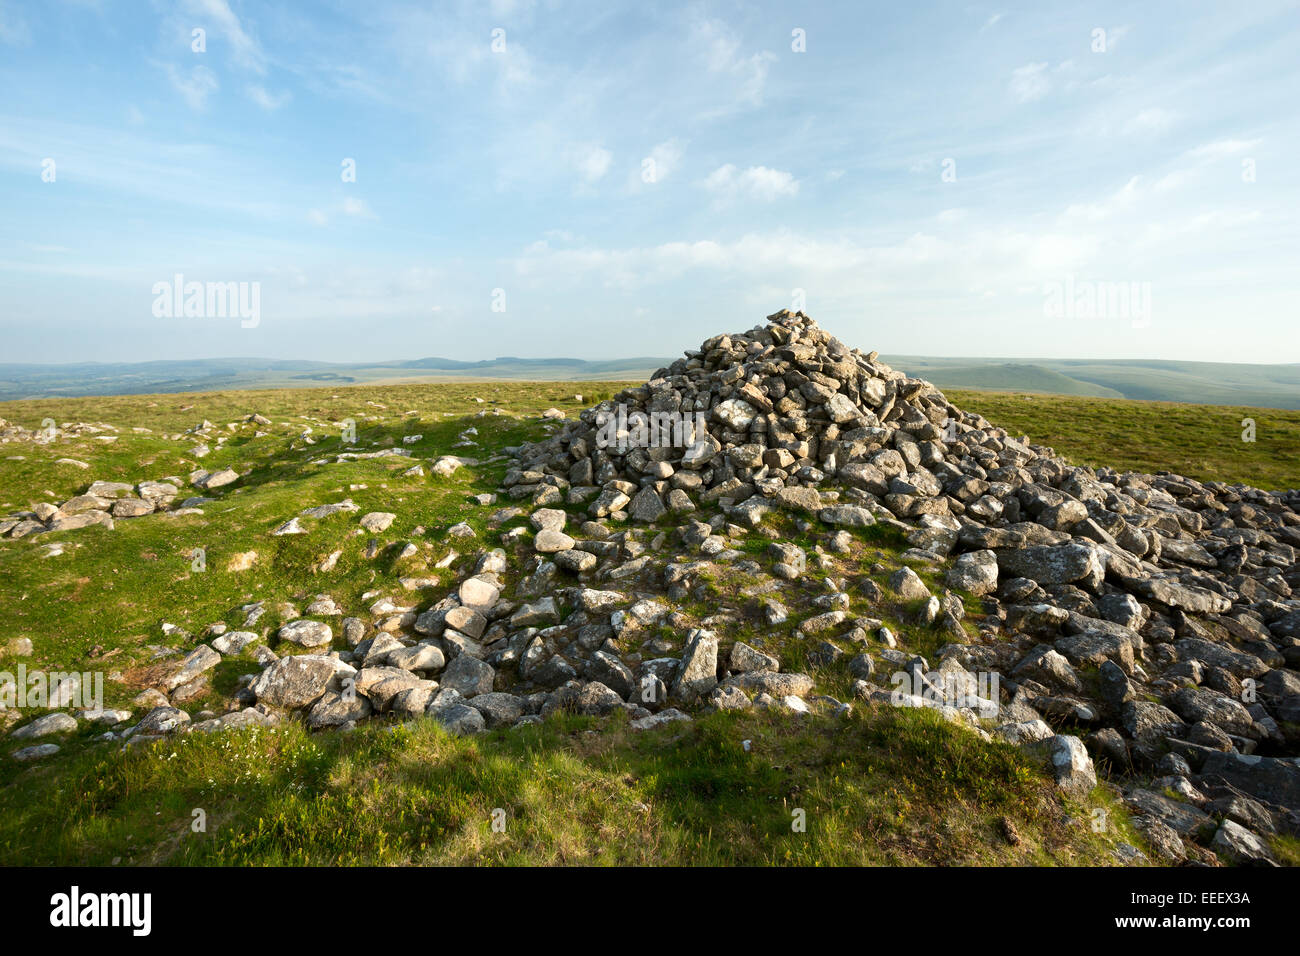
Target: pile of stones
[(105, 501), (1140, 624)]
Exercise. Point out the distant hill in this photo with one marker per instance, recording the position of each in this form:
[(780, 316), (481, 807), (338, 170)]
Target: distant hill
[(1210, 383), (225, 374), (1219, 383)]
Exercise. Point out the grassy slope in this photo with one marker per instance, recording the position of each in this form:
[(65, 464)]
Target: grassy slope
[(1200, 441), (1008, 376), (888, 787)]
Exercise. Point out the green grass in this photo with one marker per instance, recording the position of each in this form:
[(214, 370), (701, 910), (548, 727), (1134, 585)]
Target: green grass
[(1199, 441), (888, 786)]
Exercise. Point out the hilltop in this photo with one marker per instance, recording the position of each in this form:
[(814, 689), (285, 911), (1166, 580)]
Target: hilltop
[(752, 546)]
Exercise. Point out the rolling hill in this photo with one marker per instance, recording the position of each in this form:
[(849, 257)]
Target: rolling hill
[(1218, 383)]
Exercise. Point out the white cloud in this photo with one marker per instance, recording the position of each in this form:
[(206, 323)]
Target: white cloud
[(666, 158), (757, 182), (1173, 180), (358, 208), (1202, 158), (516, 67), (350, 206), (593, 162), (245, 49), (1149, 122), (1114, 35), (720, 49), (268, 101), (1115, 203), (1223, 147), (992, 21), (194, 88), (983, 258), (1030, 82)]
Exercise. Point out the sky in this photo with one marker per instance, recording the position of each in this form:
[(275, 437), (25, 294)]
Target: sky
[(542, 178)]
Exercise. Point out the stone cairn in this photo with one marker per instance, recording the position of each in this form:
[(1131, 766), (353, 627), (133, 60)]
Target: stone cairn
[(1143, 621)]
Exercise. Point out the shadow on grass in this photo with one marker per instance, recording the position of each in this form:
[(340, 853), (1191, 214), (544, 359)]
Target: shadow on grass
[(887, 786)]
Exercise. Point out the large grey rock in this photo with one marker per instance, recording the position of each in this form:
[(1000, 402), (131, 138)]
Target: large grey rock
[(908, 585), (498, 710), (1146, 721), (1054, 564), (36, 752), (44, 726), (1274, 780), (976, 572), (1071, 765), (459, 719), (596, 700), (478, 594), (197, 662), (698, 672), (1163, 839), (1049, 667), (335, 709), (1196, 704), (1183, 818), (232, 642), (468, 676), (1237, 662), (1186, 597), (647, 506), (745, 659), (294, 681), (549, 542), (1239, 845), (160, 720), (847, 516), (613, 673), (775, 685), (420, 657)]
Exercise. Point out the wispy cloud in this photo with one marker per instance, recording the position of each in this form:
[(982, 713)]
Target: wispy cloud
[(1150, 122), (245, 50), (720, 49), (661, 163), (268, 101), (592, 162), (350, 207), (728, 183), (1030, 82), (194, 86)]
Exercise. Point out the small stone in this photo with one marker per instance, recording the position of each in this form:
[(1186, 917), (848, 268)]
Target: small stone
[(306, 633), (377, 521)]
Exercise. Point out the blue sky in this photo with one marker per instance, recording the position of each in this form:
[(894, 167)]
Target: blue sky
[(924, 173)]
